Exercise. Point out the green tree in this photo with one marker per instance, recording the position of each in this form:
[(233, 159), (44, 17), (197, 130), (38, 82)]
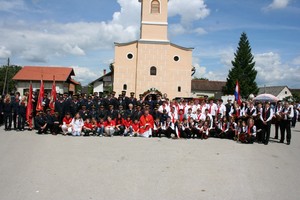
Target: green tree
[(243, 70), (10, 85), (196, 78)]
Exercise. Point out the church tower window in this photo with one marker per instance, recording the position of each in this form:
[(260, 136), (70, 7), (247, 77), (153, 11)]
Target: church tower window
[(153, 71), (155, 6)]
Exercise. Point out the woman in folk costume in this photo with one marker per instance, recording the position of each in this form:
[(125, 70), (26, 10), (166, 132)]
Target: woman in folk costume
[(224, 127), (157, 129), (170, 128), (235, 111), (77, 124), (146, 124), (251, 131)]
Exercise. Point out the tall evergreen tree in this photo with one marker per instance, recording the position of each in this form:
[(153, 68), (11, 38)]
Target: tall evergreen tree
[(243, 70)]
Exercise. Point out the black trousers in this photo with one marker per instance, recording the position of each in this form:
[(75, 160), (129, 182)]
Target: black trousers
[(286, 126), (15, 120), (266, 132), (21, 121), (277, 128), (55, 129), (1, 119), (7, 120)]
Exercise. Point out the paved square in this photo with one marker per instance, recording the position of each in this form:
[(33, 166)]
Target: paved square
[(67, 168)]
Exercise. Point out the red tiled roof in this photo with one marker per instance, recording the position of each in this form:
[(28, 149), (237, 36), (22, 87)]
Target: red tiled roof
[(34, 73), (205, 85)]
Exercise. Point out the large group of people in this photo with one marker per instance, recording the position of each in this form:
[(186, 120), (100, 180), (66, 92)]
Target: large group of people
[(153, 116)]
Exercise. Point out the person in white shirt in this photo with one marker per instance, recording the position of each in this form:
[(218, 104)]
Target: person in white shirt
[(266, 117), (287, 115), (212, 108), (221, 108), (77, 124)]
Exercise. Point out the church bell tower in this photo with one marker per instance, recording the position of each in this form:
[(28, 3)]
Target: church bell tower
[(154, 20)]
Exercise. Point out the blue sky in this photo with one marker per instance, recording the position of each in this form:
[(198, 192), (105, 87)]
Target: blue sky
[(81, 34)]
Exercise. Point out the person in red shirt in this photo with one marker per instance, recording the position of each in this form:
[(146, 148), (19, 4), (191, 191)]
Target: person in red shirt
[(87, 127), (110, 126), (67, 126), (146, 124), (127, 126), (135, 128)]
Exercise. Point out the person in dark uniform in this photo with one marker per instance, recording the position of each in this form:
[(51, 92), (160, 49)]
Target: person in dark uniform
[(121, 102), (150, 102), (59, 104), (102, 112), (266, 118), (132, 100), (41, 123), (258, 123), (287, 115), (84, 113), (125, 99), (7, 112), (56, 124), (46, 102), (49, 120), (111, 112), (228, 107), (74, 106), (15, 106), (21, 115)]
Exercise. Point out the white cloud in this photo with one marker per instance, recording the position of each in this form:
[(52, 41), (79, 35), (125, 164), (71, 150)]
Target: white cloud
[(4, 53), (75, 50), (296, 61), (189, 11), (271, 70), (200, 31), (83, 72), (278, 4), (11, 5)]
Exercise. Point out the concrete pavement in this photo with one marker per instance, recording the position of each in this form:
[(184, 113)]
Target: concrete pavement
[(66, 168)]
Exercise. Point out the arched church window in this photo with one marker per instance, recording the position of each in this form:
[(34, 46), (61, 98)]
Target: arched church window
[(124, 87), (155, 6), (153, 71)]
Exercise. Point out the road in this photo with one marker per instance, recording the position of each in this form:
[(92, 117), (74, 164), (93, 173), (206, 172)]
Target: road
[(67, 168)]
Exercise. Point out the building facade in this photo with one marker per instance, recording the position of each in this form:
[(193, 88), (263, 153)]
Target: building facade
[(34, 74), (153, 62), (280, 92)]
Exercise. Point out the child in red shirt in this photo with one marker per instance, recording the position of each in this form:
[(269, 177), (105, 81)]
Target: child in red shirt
[(87, 127), (127, 123), (135, 128)]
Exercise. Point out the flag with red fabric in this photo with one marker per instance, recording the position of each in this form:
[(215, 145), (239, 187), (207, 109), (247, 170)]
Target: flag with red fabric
[(29, 107), (53, 96), (237, 93), (39, 106)]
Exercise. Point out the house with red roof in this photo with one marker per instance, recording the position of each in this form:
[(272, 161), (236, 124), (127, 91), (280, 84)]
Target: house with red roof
[(62, 75)]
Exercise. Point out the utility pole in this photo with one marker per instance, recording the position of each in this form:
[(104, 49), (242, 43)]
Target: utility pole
[(5, 80)]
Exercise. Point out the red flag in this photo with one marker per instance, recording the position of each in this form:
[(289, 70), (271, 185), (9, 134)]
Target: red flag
[(237, 93), (39, 106), (53, 96), (29, 107)]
